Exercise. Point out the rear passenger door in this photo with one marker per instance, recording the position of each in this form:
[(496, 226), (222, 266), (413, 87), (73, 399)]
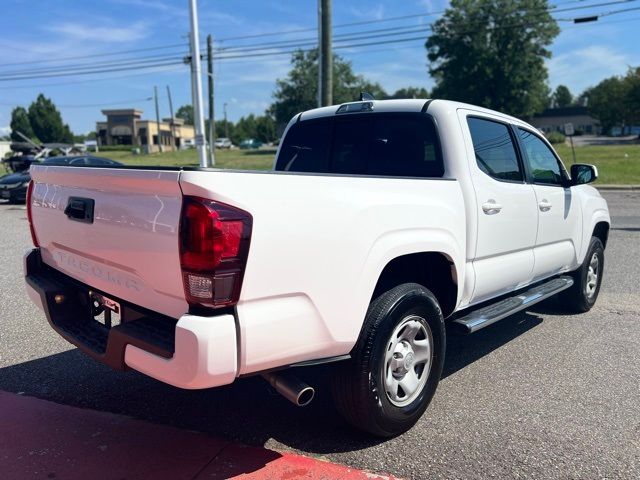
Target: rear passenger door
[(507, 215), (559, 212)]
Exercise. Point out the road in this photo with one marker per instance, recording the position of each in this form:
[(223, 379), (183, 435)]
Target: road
[(538, 395)]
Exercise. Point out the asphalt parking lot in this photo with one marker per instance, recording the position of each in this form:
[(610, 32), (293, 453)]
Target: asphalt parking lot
[(538, 395)]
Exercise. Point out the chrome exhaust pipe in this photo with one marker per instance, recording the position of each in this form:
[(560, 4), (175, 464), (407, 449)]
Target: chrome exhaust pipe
[(290, 387)]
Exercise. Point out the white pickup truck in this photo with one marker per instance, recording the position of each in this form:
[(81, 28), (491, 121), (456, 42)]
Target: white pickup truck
[(380, 221)]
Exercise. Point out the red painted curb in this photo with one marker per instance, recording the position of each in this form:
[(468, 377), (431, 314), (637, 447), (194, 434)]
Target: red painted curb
[(42, 439)]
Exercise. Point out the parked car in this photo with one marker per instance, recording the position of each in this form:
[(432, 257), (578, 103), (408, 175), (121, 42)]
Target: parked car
[(250, 144), (223, 142), (382, 221), (13, 187)]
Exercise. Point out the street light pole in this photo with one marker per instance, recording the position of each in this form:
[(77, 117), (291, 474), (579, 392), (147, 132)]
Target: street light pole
[(212, 119), (196, 82)]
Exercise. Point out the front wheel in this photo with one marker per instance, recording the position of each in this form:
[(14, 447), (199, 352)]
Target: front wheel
[(587, 280), (396, 365)]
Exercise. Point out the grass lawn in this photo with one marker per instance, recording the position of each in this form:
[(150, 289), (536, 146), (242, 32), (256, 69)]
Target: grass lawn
[(237, 159), (617, 164)]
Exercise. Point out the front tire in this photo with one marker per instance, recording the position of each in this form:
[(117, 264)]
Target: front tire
[(587, 280), (396, 364)]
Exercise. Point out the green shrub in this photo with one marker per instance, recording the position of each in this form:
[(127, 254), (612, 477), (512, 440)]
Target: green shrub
[(555, 137)]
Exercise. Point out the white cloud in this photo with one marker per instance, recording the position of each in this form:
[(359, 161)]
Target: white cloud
[(157, 5), (370, 13), (101, 33), (584, 67), (5, 130)]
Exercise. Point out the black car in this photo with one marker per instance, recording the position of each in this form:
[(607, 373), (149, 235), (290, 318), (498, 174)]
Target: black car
[(13, 187)]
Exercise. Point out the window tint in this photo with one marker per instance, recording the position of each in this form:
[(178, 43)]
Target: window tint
[(96, 161), (368, 144), (543, 164), (306, 147), (405, 146), (56, 161), (495, 153), (349, 150)]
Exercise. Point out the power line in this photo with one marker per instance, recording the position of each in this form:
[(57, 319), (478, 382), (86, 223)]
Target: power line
[(94, 80), (260, 50), (112, 63), (553, 9), (108, 54), (311, 40), (66, 74)]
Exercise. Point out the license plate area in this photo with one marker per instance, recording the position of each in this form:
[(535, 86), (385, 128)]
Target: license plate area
[(6, 194), (104, 310)]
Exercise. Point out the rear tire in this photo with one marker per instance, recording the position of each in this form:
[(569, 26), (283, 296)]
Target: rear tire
[(401, 347), (587, 280)]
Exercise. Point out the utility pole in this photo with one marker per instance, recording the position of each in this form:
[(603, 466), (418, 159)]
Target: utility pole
[(325, 54), (173, 140), (212, 120), (226, 124), (155, 96), (196, 83)]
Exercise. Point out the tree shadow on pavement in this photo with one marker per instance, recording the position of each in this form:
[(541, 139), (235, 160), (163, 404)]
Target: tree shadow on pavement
[(248, 411)]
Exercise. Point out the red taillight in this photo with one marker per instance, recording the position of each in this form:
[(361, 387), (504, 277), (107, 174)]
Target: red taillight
[(34, 239), (214, 244)]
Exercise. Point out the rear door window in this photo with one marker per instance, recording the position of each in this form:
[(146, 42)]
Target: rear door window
[(494, 149), (367, 144)]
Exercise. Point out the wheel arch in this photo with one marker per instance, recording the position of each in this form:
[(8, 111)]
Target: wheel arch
[(601, 231), (435, 271)]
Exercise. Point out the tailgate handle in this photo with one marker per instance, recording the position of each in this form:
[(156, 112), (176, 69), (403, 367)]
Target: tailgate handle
[(80, 209)]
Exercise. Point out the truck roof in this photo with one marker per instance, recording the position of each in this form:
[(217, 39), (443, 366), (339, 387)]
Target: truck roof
[(408, 105)]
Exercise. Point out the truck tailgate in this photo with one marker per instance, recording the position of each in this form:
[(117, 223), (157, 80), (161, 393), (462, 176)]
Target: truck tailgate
[(130, 249)]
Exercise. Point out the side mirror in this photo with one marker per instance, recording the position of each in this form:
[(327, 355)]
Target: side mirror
[(582, 173)]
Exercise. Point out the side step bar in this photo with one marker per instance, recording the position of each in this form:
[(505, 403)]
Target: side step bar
[(477, 319)]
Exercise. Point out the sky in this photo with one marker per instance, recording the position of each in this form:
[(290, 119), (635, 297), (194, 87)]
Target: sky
[(43, 31)]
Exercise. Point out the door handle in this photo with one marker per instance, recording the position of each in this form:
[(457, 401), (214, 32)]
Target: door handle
[(491, 207), (544, 205), (80, 209)]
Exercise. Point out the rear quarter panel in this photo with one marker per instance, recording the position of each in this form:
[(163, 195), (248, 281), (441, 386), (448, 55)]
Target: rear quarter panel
[(318, 246)]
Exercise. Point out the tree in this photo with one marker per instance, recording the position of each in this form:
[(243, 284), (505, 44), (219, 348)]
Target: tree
[(20, 123), (615, 101), (633, 95), (46, 122), (299, 91), (562, 97), (266, 129), (245, 128), (410, 92), (606, 101), (185, 112), (492, 53)]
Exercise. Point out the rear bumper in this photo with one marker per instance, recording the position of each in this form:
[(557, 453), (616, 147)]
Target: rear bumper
[(193, 352)]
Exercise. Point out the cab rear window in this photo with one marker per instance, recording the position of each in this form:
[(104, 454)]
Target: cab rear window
[(366, 144)]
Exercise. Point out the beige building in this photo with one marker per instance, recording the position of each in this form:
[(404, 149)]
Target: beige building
[(554, 119), (126, 127)]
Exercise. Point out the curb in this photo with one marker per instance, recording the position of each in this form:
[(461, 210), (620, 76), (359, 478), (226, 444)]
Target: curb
[(42, 439), (618, 187)]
